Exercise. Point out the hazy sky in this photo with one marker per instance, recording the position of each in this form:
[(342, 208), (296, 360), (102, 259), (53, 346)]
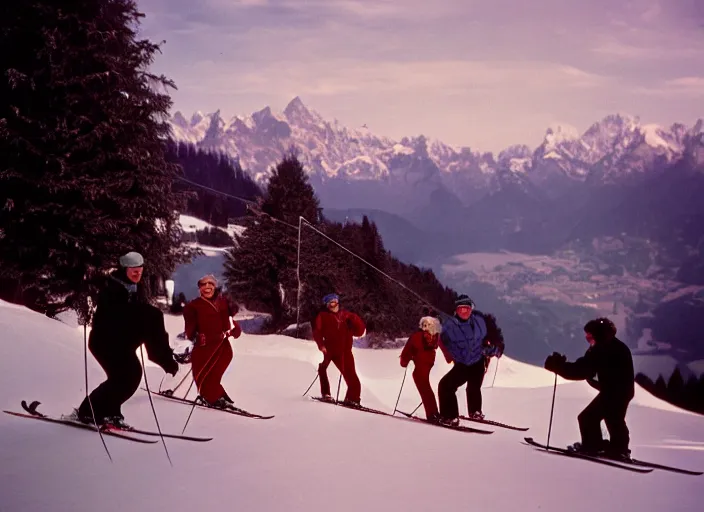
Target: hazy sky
[(479, 73)]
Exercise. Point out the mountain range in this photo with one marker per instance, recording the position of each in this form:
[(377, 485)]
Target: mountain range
[(619, 176), (623, 197)]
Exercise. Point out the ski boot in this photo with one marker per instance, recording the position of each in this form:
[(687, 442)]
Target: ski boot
[(450, 422)]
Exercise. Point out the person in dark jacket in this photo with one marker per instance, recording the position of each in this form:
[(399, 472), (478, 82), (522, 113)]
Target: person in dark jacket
[(420, 348), (610, 361), (123, 320), (333, 331), (468, 338)]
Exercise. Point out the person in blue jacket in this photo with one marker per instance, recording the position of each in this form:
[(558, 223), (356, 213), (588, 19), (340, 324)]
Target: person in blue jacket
[(468, 339)]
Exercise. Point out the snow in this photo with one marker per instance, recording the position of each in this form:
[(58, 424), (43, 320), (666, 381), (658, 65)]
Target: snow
[(191, 224), (558, 133), (400, 149), (653, 137), (313, 456)]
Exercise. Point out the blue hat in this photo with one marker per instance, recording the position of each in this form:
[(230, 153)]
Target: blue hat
[(464, 300), (330, 297), (131, 259)]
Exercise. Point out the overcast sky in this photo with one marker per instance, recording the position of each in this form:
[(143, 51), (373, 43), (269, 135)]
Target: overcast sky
[(480, 73)]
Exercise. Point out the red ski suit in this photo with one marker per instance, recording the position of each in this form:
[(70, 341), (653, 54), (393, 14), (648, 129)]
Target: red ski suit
[(207, 322), (333, 332), (420, 348)]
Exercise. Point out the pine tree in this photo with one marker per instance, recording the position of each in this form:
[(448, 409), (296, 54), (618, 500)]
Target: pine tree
[(83, 173), (261, 269)]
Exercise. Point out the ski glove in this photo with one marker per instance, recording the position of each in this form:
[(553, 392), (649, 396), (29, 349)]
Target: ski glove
[(555, 361), (184, 358)]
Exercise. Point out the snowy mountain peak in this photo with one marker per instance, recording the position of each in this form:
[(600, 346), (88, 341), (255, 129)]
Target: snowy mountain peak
[(618, 145), (179, 120), (557, 133)]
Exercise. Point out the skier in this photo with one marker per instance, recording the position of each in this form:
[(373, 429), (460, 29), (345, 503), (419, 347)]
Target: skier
[(123, 320), (610, 361), (208, 325), (420, 348), (468, 339), (333, 329)]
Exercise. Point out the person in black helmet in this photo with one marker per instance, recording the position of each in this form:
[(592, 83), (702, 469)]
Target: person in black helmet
[(610, 361)]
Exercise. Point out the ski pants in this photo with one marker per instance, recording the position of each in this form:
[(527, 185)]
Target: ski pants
[(613, 411), (345, 363), (208, 363), (124, 373), (421, 376), (460, 373)]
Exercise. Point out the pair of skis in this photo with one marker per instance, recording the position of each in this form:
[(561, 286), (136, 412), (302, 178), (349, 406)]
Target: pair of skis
[(108, 430), (634, 465), (459, 428), (231, 409)]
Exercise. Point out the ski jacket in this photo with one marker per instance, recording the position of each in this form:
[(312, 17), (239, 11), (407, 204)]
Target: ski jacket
[(466, 342), (420, 348), (124, 319), (206, 321), (116, 323), (334, 331), (610, 362)]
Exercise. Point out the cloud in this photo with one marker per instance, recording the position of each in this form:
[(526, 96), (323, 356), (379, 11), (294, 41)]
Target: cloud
[(687, 86), (334, 77), (458, 67), (648, 50)]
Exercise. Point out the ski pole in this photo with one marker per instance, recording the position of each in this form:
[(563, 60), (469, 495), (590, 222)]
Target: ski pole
[(552, 408), (151, 402), (495, 372), (339, 382), (400, 390), (90, 402), (311, 384)]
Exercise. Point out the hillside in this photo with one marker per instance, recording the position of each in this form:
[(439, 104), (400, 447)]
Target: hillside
[(311, 454)]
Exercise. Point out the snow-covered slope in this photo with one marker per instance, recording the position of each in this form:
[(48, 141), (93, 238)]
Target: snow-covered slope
[(316, 457)]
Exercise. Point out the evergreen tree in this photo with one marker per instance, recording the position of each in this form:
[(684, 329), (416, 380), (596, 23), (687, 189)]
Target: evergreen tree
[(218, 172), (261, 269), (83, 172)]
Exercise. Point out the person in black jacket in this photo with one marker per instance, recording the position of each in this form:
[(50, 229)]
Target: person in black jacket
[(123, 320), (610, 361)]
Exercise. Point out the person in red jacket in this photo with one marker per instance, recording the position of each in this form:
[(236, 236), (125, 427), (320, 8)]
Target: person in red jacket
[(333, 330), (420, 348), (207, 324)]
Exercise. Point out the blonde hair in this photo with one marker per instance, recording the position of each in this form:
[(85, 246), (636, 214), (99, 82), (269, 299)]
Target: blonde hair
[(434, 327)]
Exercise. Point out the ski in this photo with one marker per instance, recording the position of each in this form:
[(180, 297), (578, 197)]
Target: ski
[(495, 423), (232, 410), (599, 460), (460, 428), (32, 409), (662, 467), (171, 436), (356, 408), (106, 431)]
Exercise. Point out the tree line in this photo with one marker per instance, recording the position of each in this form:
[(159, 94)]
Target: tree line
[(260, 270), (688, 394)]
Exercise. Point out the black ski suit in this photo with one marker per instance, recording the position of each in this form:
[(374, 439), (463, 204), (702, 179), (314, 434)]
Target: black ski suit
[(124, 320), (611, 363)]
